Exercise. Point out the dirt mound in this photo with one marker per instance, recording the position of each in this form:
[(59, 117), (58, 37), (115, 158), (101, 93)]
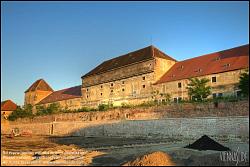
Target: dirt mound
[(206, 143), (153, 159)]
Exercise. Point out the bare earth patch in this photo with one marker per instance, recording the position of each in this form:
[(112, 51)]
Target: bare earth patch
[(153, 159)]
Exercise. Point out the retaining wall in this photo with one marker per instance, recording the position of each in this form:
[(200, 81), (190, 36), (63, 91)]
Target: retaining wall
[(160, 128)]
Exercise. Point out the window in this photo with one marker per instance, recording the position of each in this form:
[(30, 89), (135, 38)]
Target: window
[(175, 99), (179, 84), (123, 89), (213, 79), (220, 94), (143, 78), (143, 86), (112, 84), (238, 93), (111, 91), (87, 96), (87, 89), (101, 94), (179, 99), (101, 86), (123, 82), (214, 95)]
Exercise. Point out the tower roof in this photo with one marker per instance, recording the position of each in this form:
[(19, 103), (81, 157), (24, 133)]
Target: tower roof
[(39, 85), (133, 57), (8, 105)]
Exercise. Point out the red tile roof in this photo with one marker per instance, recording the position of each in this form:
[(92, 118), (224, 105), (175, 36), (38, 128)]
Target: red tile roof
[(226, 60), (39, 85), (8, 105), (64, 94), (137, 56)]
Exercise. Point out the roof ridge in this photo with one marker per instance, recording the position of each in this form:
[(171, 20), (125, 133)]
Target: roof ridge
[(67, 88), (215, 52)]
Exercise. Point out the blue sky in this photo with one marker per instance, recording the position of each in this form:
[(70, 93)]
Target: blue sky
[(61, 41)]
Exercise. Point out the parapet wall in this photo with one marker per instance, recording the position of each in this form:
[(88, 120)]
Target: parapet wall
[(159, 128)]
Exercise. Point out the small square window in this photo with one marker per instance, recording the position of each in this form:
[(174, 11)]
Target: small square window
[(213, 79), (179, 84), (123, 82), (175, 100), (143, 78), (179, 99), (144, 86)]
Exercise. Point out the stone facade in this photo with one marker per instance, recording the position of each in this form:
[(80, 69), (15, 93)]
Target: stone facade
[(226, 84), (132, 78), (131, 84), (33, 97)]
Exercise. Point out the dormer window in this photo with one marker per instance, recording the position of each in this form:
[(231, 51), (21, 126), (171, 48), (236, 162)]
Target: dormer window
[(181, 67), (198, 70), (226, 65), (217, 58)]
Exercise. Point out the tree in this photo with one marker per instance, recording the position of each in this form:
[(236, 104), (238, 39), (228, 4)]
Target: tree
[(156, 96), (244, 83), (197, 89), (21, 113), (166, 97)]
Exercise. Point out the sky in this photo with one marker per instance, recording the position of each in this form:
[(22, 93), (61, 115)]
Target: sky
[(61, 41)]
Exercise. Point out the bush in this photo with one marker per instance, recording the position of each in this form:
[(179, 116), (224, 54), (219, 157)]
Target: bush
[(21, 113), (104, 107), (148, 104), (86, 109), (125, 105), (51, 109)]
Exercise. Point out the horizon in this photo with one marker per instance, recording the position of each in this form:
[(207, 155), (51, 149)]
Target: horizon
[(54, 49)]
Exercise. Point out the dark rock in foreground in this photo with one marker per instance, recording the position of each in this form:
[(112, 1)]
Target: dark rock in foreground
[(206, 143)]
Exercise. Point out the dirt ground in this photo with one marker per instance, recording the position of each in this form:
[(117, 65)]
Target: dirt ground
[(80, 151)]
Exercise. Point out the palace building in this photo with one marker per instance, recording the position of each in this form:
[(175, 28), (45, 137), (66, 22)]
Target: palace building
[(132, 78)]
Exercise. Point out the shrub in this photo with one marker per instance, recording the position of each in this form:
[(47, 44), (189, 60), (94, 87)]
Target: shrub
[(125, 105), (21, 113), (84, 109), (244, 83), (104, 107), (51, 109)]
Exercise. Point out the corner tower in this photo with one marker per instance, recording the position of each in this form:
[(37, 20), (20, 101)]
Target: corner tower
[(36, 92)]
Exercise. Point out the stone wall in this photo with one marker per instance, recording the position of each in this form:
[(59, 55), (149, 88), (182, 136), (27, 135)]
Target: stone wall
[(172, 127), (185, 110)]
